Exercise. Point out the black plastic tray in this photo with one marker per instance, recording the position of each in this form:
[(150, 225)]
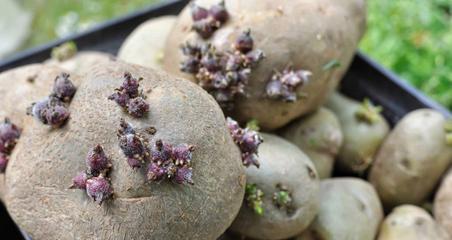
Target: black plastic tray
[(365, 78)]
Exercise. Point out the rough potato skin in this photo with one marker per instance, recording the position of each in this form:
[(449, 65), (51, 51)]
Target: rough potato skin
[(408, 222), (20, 87), (280, 162), (361, 139), (307, 34), (81, 62), (145, 45), (349, 210), (319, 135), (412, 159), (40, 171), (442, 206)]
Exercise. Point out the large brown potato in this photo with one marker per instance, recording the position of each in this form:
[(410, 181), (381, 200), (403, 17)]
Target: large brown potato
[(362, 138), (442, 206), (303, 33), (281, 163), (145, 45), (45, 160), (412, 159), (349, 210), (20, 87), (319, 135), (408, 222)]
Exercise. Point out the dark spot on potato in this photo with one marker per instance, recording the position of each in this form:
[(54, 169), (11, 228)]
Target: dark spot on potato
[(32, 78), (284, 113), (419, 221), (406, 163), (311, 172), (151, 130)]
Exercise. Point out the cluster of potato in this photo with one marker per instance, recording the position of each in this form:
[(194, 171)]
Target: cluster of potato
[(329, 167)]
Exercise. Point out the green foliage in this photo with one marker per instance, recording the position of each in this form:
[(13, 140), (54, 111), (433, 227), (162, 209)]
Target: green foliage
[(414, 38), (54, 18)]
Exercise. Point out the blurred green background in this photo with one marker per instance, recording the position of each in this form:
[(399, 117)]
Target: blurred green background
[(411, 37)]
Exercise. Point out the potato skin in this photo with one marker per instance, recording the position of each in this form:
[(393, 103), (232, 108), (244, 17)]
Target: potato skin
[(349, 210), (361, 139), (81, 62), (20, 87), (40, 171), (145, 45), (408, 222), (442, 205), (412, 159), (281, 162), (307, 34), (319, 136)]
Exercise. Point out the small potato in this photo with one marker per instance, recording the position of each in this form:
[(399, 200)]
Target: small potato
[(284, 172), (442, 205), (305, 34), (364, 129), (408, 222), (145, 45), (349, 210), (412, 159), (319, 135), (20, 88), (81, 62)]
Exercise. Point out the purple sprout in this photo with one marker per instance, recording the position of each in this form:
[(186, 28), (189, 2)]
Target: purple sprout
[(171, 162), (198, 12), (50, 111), (244, 42), (283, 85), (63, 88), (129, 97), (9, 134), (56, 115), (130, 85), (224, 74), (137, 107), (134, 163), (97, 161), (219, 12), (247, 140), (79, 181), (121, 98), (99, 189), (206, 22), (132, 144)]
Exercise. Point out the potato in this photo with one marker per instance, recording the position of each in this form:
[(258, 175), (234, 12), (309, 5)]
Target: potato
[(283, 169), (20, 87), (349, 210), (442, 206), (45, 160), (319, 135), (144, 46), (364, 130), (308, 35), (408, 222), (412, 159), (81, 62), (23, 85)]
